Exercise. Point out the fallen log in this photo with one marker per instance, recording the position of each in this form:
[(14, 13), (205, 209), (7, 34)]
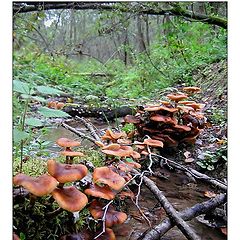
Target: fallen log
[(187, 214), (104, 113)]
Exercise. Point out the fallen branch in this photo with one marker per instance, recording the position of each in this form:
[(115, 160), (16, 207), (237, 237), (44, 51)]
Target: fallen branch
[(77, 132), (172, 213), (194, 173), (90, 127), (187, 214)]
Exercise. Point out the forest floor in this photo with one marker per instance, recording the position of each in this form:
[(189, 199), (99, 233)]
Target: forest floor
[(210, 150)]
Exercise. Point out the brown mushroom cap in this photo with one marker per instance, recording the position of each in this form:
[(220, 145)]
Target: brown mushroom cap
[(185, 109), (185, 102), (163, 119), (166, 139), (39, 186), (70, 199), (66, 172), (66, 142), (72, 154), (165, 103), (117, 150), (182, 128), (112, 217), (107, 176), (132, 119), (177, 97), (192, 89), (133, 164), (101, 192), (135, 155), (153, 143), (99, 143)]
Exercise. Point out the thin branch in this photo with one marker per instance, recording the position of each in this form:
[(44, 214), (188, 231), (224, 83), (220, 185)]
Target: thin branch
[(187, 214)]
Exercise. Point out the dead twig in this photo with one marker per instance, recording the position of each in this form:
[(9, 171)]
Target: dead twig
[(187, 214), (77, 132), (194, 173)]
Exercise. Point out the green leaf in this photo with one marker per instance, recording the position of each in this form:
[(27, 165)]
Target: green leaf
[(19, 135), (129, 160), (201, 164), (35, 122), (22, 87), (22, 236), (47, 112), (49, 90)]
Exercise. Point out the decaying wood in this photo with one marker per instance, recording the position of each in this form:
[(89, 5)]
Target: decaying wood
[(187, 214), (172, 213)]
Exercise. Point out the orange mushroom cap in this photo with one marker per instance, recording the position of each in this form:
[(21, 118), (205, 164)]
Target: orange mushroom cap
[(185, 102), (99, 143), (101, 192), (153, 143), (66, 172), (185, 109), (196, 105), (39, 186), (107, 176), (70, 199), (192, 89), (165, 103), (177, 97), (117, 150), (112, 217), (60, 105), (72, 154), (135, 155), (133, 164), (110, 135), (66, 142), (160, 108)]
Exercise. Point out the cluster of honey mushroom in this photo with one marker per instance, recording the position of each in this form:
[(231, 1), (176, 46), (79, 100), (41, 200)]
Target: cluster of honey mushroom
[(178, 120), (107, 182)]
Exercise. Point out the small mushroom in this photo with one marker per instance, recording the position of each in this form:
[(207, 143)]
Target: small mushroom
[(160, 108), (135, 155), (66, 172), (107, 235), (70, 199), (101, 192), (192, 89), (67, 143), (70, 155), (196, 106), (110, 135), (112, 216), (182, 128), (106, 176), (38, 186), (177, 97)]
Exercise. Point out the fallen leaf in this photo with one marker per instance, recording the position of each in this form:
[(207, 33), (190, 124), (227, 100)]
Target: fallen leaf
[(210, 194), (221, 141)]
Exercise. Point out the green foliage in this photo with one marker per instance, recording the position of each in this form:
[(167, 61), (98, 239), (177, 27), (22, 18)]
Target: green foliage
[(47, 112), (129, 127)]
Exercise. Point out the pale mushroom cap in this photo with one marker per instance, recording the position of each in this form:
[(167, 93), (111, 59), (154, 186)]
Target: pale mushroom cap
[(66, 142), (66, 172), (39, 186), (70, 199), (101, 192), (107, 176)]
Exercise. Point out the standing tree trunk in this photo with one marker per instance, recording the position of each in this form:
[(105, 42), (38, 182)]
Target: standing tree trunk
[(141, 43), (147, 32)]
